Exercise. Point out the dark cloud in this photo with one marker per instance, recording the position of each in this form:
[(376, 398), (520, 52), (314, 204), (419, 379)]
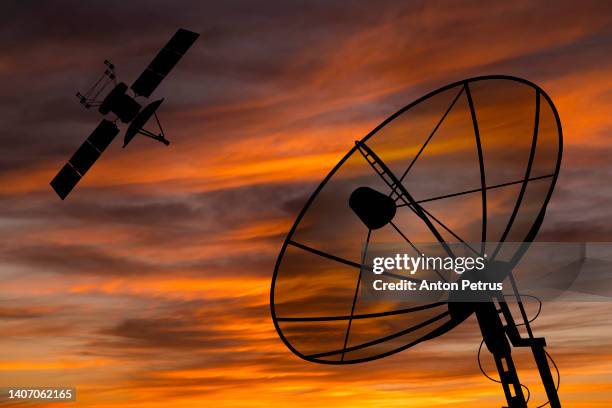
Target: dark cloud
[(222, 208), (164, 333), (198, 327), (12, 312), (74, 259)]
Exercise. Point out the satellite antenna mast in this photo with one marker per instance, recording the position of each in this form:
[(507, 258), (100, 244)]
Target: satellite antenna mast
[(378, 193), (124, 106)]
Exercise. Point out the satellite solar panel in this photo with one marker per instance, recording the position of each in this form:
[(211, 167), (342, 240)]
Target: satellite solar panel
[(65, 181), (147, 82), (103, 135), (182, 40), (164, 61), (84, 158)]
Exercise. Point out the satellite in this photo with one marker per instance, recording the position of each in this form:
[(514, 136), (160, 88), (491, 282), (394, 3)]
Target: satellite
[(475, 161), (124, 107)]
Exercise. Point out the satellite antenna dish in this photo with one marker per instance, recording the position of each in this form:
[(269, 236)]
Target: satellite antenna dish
[(124, 107), (474, 161)]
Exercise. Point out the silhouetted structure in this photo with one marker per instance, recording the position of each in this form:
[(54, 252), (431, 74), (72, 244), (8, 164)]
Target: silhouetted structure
[(125, 108), (486, 166)]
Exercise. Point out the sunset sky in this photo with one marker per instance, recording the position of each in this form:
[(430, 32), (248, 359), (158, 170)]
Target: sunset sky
[(149, 286)]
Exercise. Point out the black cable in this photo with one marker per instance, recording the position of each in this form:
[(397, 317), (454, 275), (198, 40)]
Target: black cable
[(539, 307), (547, 354)]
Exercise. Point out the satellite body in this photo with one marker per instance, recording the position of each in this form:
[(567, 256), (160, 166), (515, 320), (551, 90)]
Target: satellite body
[(124, 107)]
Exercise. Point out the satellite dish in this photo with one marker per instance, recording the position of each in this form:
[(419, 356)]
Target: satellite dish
[(124, 107), (473, 161)]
